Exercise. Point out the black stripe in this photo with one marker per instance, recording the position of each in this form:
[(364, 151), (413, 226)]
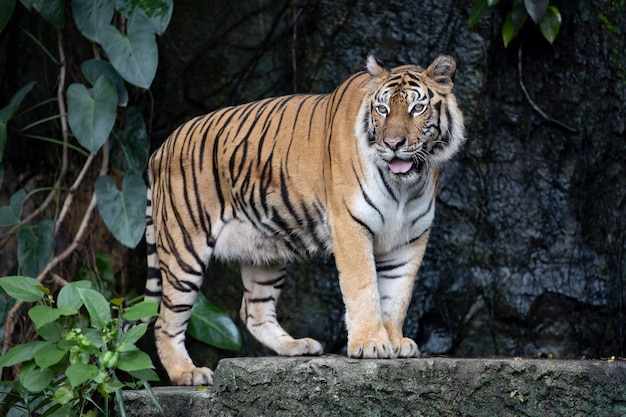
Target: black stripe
[(271, 282), (419, 236), (361, 222), (261, 300)]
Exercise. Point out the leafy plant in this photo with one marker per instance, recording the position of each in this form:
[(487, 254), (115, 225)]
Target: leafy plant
[(545, 16), (76, 355), (92, 120)]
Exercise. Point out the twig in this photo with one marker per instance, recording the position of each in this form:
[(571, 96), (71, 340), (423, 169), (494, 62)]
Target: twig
[(532, 102), (70, 196), (10, 321), (65, 134)]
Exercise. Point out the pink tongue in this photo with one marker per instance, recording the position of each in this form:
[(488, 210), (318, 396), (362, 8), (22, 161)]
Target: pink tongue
[(400, 166)]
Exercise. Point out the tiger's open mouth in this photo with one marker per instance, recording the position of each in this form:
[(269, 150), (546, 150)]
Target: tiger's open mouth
[(401, 166)]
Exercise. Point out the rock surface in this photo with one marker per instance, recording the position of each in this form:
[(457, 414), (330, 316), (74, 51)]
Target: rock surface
[(338, 386)]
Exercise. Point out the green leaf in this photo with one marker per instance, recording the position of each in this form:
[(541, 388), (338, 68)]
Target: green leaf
[(518, 16), (141, 310), (212, 326), (51, 11), (508, 31), (134, 334), (95, 337), (97, 307), (6, 10), (123, 211), (130, 150), (479, 10), (94, 68), (7, 112), (77, 373), (22, 288), (22, 353), (134, 360), (536, 8), (63, 395), (159, 12), (50, 356), (34, 250), (135, 56), (492, 3), (145, 375), (35, 379), (91, 15), (10, 215), (51, 331), (43, 314), (92, 112), (550, 24), (69, 296)]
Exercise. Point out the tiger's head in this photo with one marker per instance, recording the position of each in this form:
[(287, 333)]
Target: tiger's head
[(411, 119)]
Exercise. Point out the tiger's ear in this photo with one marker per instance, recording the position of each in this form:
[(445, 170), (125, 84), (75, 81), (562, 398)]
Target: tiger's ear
[(376, 68), (442, 70)]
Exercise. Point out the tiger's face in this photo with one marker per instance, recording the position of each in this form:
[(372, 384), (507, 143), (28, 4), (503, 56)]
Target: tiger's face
[(413, 120)]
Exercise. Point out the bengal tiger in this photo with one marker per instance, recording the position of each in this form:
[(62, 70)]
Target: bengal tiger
[(352, 173)]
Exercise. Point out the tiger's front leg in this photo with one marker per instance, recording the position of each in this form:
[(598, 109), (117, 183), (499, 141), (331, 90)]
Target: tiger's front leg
[(396, 276), (353, 250)]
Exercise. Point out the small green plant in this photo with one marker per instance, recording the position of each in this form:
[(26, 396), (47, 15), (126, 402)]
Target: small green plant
[(547, 17), (76, 357)]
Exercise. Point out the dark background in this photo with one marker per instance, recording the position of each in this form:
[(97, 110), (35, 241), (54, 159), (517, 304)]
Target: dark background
[(526, 256)]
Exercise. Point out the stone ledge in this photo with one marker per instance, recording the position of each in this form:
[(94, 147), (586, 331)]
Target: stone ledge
[(339, 386)]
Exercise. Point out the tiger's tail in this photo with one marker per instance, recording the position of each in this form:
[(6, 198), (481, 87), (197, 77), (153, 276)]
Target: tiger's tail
[(154, 287)]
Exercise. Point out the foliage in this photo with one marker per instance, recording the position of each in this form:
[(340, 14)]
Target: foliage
[(75, 356), (547, 17), (92, 119)]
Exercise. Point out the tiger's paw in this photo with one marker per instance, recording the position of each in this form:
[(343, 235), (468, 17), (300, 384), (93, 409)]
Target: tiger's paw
[(301, 347), (376, 348), (408, 348), (191, 375)]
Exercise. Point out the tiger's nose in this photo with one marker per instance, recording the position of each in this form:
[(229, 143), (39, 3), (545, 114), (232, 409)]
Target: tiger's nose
[(393, 144)]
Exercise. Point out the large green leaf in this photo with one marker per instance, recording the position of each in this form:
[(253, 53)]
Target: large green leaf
[(22, 288), (51, 11), (7, 112), (69, 295), (536, 8), (123, 211), (10, 215), (134, 360), (43, 314), (134, 55), (35, 247), (91, 15), (550, 24), (77, 373), (92, 70), (91, 112), (23, 352), (159, 12), (34, 378), (6, 10), (97, 306), (129, 151), (212, 326), (141, 310)]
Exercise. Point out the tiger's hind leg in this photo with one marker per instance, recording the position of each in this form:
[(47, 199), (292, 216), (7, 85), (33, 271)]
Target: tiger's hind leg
[(262, 286), (181, 280)]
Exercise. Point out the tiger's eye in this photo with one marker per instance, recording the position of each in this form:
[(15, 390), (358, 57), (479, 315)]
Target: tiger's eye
[(382, 109), (417, 109)]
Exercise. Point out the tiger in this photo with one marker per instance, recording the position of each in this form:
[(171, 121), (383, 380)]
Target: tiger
[(352, 174)]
